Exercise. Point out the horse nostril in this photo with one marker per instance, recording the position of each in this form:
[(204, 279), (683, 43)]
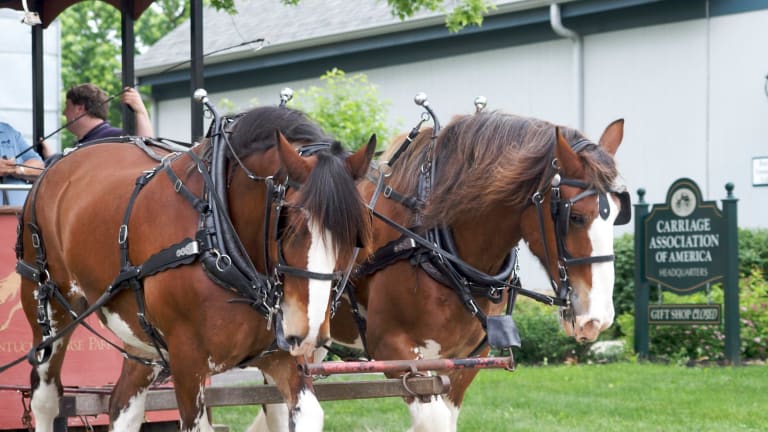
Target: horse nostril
[(589, 331), (293, 341)]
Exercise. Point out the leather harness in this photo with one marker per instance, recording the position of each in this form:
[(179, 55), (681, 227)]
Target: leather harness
[(216, 245)]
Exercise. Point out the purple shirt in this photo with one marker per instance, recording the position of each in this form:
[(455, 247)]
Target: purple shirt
[(103, 130)]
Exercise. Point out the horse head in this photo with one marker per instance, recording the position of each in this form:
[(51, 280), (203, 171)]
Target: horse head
[(316, 221), (324, 222), (580, 195)]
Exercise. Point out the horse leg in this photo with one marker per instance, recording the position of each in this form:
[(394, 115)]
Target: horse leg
[(274, 417), (189, 375), (45, 378), (442, 412), (46, 386), (430, 415), (302, 411), (126, 404)]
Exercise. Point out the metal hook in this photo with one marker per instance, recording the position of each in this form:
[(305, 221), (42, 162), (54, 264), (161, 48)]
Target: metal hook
[(480, 104), (286, 94)]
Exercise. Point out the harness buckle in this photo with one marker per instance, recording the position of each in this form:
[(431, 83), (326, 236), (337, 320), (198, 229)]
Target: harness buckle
[(35, 240), (222, 261), (122, 235), (388, 191)]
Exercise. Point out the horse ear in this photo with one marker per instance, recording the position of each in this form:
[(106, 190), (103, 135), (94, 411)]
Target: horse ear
[(358, 162), (298, 169), (567, 158), (612, 136)]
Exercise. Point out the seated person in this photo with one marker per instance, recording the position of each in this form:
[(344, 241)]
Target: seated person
[(86, 112), (17, 166)]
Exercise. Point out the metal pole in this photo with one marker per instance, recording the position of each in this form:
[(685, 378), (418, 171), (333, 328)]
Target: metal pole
[(731, 281), (196, 79), (329, 368), (641, 284), (38, 90), (129, 42)]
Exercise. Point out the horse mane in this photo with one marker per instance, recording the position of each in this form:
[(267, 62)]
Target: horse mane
[(325, 198), (489, 158)]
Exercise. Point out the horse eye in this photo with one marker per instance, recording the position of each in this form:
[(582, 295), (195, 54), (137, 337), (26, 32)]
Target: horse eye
[(577, 220)]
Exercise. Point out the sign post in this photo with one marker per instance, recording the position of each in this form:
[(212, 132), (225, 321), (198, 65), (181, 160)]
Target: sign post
[(731, 285), (641, 284), (684, 245)]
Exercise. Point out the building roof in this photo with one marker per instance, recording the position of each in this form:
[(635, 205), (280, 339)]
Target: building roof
[(49, 10), (285, 28)]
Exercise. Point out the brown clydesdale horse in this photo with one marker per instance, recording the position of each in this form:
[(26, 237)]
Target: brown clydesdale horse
[(483, 183), (163, 249)]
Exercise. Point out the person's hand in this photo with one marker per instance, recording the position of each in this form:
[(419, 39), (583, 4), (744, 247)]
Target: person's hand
[(7, 167), (132, 98), (48, 150)]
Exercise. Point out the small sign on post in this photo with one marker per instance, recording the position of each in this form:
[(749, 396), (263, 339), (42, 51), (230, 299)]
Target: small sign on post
[(760, 171), (684, 314)]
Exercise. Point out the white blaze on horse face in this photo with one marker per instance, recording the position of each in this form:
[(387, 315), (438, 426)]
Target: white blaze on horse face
[(320, 259), (599, 315)]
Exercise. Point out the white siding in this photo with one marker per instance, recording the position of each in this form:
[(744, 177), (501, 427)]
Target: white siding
[(691, 94), (16, 75)]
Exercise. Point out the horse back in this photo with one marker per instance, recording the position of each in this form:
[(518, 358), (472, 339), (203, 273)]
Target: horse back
[(80, 203)]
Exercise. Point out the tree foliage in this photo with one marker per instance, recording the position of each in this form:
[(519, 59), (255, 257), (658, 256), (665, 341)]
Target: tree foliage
[(347, 107), (91, 41), (465, 13), (91, 44)]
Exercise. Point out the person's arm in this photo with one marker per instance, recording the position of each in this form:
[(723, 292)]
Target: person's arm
[(132, 98), (26, 170), (29, 169)]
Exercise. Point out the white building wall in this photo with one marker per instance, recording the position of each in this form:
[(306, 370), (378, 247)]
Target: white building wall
[(691, 94), (16, 75), (738, 110)]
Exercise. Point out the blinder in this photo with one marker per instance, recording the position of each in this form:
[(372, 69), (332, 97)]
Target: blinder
[(561, 210), (625, 207)]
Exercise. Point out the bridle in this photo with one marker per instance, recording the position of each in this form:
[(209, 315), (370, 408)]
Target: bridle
[(560, 212), (268, 285)]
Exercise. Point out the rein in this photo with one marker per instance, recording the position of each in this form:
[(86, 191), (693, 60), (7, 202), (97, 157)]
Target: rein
[(216, 245)]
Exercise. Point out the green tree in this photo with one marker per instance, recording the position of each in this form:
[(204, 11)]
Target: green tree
[(347, 107), (465, 13), (91, 40), (91, 44)]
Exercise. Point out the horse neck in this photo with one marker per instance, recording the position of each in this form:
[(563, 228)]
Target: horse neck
[(484, 239), (247, 199)]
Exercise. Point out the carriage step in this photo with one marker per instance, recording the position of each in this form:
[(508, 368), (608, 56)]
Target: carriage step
[(94, 403)]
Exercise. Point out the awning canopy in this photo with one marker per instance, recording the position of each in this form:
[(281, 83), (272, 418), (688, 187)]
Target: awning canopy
[(50, 9)]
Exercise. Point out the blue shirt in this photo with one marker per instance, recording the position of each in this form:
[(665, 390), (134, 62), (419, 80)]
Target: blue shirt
[(11, 144)]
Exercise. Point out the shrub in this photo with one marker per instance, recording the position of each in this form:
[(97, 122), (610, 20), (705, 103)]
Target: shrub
[(684, 343), (753, 252), (347, 107), (543, 340)]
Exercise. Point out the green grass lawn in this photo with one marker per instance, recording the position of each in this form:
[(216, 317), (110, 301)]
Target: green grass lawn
[(615, 397)]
